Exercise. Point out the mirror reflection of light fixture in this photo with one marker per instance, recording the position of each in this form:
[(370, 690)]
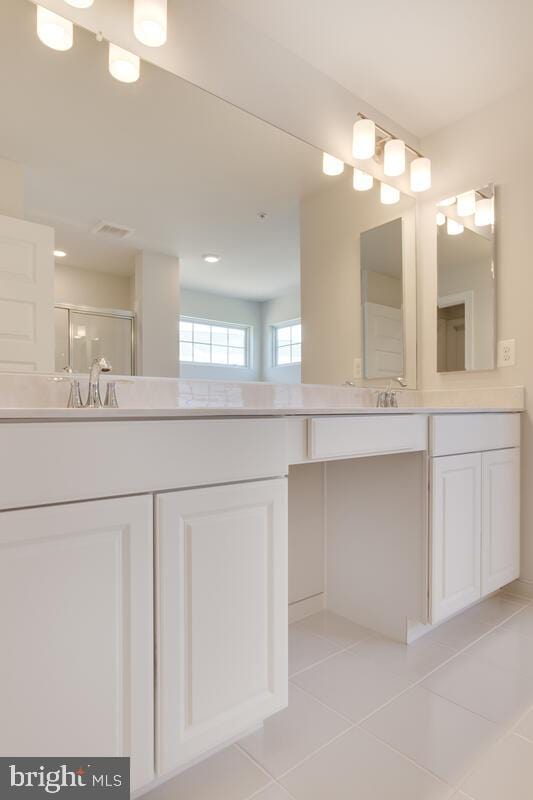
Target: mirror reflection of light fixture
[(123, 65), (394, 158), (54, 31), (150, 22), (362, 181), (484, 212), (466, 203), (80, 3), (389, 195), (447, 202), (454, 228), (332, 165), (420, 174), (81, 332), (441, 218), (364, 139)]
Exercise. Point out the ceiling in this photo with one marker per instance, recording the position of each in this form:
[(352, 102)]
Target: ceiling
[(424, 63), (187, 171)]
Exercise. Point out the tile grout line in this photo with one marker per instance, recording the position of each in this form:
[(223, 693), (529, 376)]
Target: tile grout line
[(358, 724), (331, 655)]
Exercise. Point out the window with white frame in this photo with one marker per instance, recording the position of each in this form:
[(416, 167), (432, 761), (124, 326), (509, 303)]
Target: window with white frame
[(220, 344), (288, 344)]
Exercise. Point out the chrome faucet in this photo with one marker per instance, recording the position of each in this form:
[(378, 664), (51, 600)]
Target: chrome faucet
[(98, 366), (386, 398)]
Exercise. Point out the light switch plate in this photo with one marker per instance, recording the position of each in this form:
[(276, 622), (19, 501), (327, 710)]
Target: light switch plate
[(357, 367), (507, 353)]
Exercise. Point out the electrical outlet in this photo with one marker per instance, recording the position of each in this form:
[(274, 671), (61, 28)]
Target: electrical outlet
[(507, 353), (357, 367)]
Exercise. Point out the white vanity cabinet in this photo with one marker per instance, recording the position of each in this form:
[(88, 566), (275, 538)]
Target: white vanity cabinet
[(475, 508), (221, 615), (76, 621)]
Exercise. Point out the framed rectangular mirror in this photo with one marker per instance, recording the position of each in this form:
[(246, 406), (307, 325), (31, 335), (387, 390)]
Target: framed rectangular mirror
[(466, 297)]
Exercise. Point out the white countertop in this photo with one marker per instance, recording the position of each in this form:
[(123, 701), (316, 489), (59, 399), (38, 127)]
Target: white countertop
[(102, 414)]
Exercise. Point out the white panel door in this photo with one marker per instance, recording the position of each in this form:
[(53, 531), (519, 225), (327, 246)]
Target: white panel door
[(500, 547), (26, 296), (222, 615), (76, 621), (383, 341), (455, 533)]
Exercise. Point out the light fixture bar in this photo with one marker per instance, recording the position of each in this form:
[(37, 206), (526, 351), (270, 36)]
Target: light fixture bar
[(390, 135)]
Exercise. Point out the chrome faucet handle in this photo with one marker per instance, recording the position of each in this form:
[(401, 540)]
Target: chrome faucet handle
[(111, 395)]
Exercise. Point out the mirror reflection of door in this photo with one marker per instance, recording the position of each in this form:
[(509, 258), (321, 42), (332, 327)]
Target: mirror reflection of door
[(451, 338)]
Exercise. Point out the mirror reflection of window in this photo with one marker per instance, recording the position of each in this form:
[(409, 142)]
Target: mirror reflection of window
[(288, 344), (466, 285), (382, 300)]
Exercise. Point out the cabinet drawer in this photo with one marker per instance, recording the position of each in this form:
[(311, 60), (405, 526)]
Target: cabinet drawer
[(473, 433), (350, 437), (57, 462)]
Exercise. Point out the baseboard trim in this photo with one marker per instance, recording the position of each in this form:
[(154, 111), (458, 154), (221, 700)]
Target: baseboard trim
[(304, 608)]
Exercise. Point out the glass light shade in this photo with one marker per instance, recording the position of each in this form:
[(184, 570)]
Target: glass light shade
[(420, 174), (80, 3), (123, 65), (394, 158), (484, 212), (454, 228), (362, 181), (54, 31), (441, 218), (150, 22), (448, 201), (466, 203), (332, 165), (389, 194), (364, 139)]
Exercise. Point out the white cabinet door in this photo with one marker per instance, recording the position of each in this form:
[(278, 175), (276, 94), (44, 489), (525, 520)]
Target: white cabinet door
[(76, 611), (26, 296), (500, 548), (221, 615), (455, 533)]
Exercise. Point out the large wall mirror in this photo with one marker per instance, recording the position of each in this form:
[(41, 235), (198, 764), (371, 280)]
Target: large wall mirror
[(191, 238), (466, 313)]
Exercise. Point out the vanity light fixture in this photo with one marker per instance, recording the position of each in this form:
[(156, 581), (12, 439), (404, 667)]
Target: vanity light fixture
[(150, 22), (364, 139), (211, 258), (466, 203), (123, 65), (484, 212), (362, 181), (80, 3), (420, 174), (454, 228), (59, 254), (332, 165), (389, 195), (394, 158), (54, 31), (441, 218)]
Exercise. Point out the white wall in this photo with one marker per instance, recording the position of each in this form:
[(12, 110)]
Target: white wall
[(466, 155), (281, 309), (11, 189), (85, 287), (157, 307), (224, 309)]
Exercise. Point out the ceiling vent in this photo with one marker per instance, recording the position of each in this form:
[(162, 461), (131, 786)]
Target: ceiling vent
[(111, 230)]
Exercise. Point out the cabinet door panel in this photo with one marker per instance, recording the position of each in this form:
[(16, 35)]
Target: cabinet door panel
[(222, 615), (455, 533), (501, 519), (76, 610)]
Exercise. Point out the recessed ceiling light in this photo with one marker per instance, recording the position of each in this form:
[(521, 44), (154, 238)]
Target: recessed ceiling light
[(59, 253), (210, 258)]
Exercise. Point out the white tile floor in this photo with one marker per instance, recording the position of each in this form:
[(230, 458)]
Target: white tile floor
[(449, 717)]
